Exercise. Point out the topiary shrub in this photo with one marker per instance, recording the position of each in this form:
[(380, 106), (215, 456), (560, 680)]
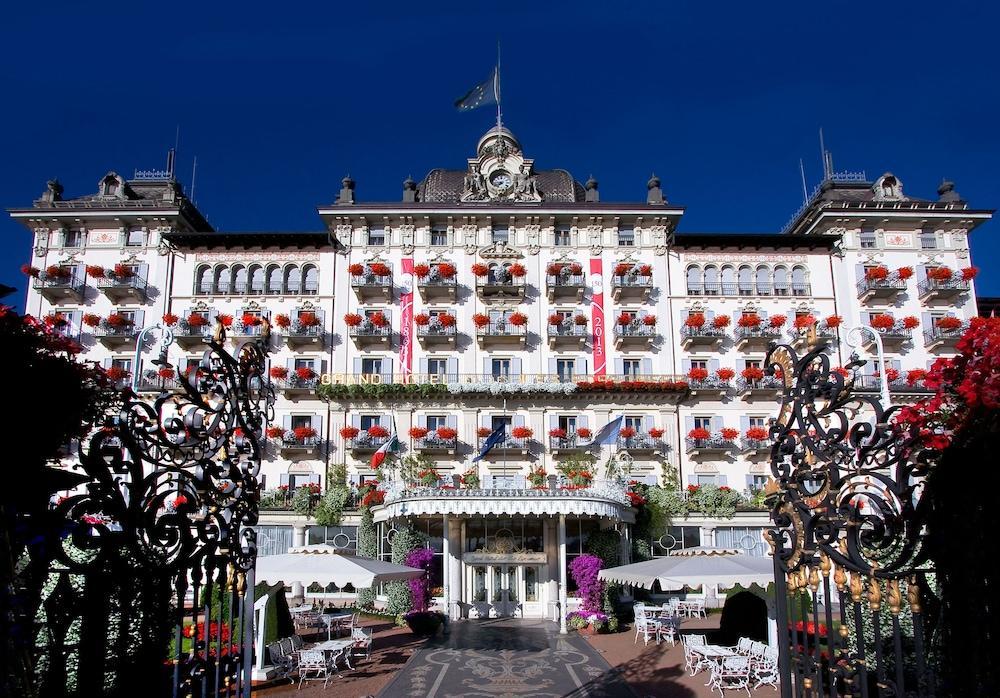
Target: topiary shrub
[(330, 509)]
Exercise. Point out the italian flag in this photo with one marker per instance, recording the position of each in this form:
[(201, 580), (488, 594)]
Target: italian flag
[(390, 446)]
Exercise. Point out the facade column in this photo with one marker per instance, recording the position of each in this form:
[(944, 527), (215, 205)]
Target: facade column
[(446, 560), (675, 440), (456, 545), (562, 574), (298, 540)]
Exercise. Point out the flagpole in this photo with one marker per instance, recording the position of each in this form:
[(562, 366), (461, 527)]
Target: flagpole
[(503, 462), (496, 87)]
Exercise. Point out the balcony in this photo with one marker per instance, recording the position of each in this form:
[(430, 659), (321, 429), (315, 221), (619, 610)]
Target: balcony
[(880, 289), (304, 336), (433, 444), (943, 338), (153, 382), (508, 447), (568, 335), (753, 448), (500, 288), (370, 286), (434, 334), (362, 443), (812, 337), (570, 444), (433, 287), (711, 386), (116, 337), (56, 289), (188, 336), (939, 290), (241, 333), (893, 336), (293, 385), (704, 337), (768, 387), (635, 335), (501, 334), (640, 443), (756, 337), (565, 287), (897, 385), (123, 289), (369, 335), (748, 289), (629, 287), (291, 446), (715, 445)]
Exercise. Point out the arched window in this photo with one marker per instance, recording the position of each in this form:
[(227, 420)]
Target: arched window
[(274, 280), (800, 281), (745, 281), (711, 281), (780, 281), (203, 280), (728, 281), (763, 281), (310, 280), (257, 280), (292, 279), (239, 279), (222, 279), (694, 280)]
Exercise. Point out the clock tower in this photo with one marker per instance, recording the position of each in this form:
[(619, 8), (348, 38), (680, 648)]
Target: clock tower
[(500, 172)]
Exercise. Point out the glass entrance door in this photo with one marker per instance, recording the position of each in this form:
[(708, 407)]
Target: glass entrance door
[(504, 584)]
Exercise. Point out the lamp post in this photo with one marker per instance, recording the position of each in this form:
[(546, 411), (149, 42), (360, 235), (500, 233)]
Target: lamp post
[(166, 339), (854, 340)]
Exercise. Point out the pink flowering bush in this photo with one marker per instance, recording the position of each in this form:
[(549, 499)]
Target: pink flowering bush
[(584, 570), (420, 588)]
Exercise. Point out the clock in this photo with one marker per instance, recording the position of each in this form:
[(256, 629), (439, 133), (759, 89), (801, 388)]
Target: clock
[(501, 180)]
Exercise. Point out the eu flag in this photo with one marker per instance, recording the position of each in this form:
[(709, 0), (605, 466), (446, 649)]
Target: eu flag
[(483, 93), (498, 435), (608, 434)]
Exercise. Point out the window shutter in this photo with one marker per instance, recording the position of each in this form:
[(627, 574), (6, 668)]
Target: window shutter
[(688, 425), (648, 422), (487, 482), (647, 367), (749, 481), (316, 422), (713, 365), (452, 368), (385, 421), (140, 316), (859, 271), (685, 365), (106, 363), (744, 424), (452, 421), (553, 421), (515, 368), (518, 420), (286, 422), (895, 364), (487, 366), (422, 367), (650, 480), (484, 419), (716, 423), (286, 479), (580, 367), (387, 370), (583, 421), (552, 367), (921, 273), (143, 271), (740, 364), (927, 320), (709, 315), (357, 366), (762, 314), (354, 479), (722, 481), (692, 479), (356, 421)]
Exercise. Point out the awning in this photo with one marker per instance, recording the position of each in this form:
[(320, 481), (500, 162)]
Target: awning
[(322, 564), (695, 567)]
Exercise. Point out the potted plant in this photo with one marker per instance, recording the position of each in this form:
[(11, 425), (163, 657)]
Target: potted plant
[(379, 269), (517, 319), (969, 273), (720, 322), (695, 320), (583, 433), (883, 322), (649, 320), (725, 374), (420, 620), (749, 320), (446, 270), (580, 320), (699, 434), (418, 432), (877, 273), (521, 432), (752, 374), (697, 373), (777, 321), (939, 273), (517, 270), (447, 433), (278, 372), (904, 273), (349, 432), (377, 431), (538, 478), (804, 321), (429, 477), (481, 319), (421, 270), (196, 320), (470, 480), (480, 269), (911, 322), (352, 319), (834, 321), (948, 323), (728, 433), (756, 433), (422, 319)]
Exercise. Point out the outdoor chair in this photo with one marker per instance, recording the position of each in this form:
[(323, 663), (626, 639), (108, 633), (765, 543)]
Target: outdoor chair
[(765, 669), (732, 673), (284, 661), (315, 665), (757, 650), (744, 647), (693, 662), (362, 641), (644, 626), (697, 609), (307, 622)]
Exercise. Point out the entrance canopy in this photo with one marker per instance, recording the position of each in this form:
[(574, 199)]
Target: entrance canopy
[(322, 564), (694, 567)]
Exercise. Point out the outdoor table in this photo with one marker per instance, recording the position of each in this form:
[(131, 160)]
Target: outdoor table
[(339, 648), (301, 609), (332, 619), (713, 653)]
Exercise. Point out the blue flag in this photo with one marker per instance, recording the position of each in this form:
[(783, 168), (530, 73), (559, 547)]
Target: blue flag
[(608, 434), (483, 93), (498, 435)]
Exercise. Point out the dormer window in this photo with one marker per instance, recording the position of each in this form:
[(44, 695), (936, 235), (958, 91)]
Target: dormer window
[(626, 237), (376, 236), (72, 238), (501, 234), (110, 186)]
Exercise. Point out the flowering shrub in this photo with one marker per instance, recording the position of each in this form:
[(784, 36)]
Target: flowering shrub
[(377, 431), (624, 319), (447, 433), (756, 433), (421, 270), (752, 373), (379, 269), (517, 319), (169, 319), (626, 432), (904, 273), (483, 432), (749, 320), (116, 373), (777, 320), (195, 320), (697, 373), (118, 320), (656, 433), (580, 320), (635, 496), (878, 273), (29, 270), (584, 570), (481, 320), (91, 320), (649, 320), (622, 268), (554, 268), (891, 374), (699, 434), (308, 319), (729, 433), (282, 320), (521, 432), (583, 432), (55, 320), (948, 323), (55, 271), (557, 433), (633, 386), (555, 319), (278, 372), (95, 271), (804, 321), (372, 498), (305, 373), (834, 321), (352, 319), (911, 322), (516, 269), (418, 432), (915, 375), (446, 270), (470, 479), (695, 320), (303, 433), (250, 320), (537, 478), (275, 432), (480, 269), (720, 322), (420, 587), (422, 319), (165, 372), (378, 319), (940, 273), (349, 432), (446, 320), (226, 320), (969, 273), (841, 371), (428, 477), (883, 321), (725, 374), (356, 269)]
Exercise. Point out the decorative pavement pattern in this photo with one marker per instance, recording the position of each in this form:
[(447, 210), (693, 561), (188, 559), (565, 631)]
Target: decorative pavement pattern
[(504, 658)]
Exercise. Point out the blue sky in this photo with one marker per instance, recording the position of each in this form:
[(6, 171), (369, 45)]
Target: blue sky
[(721, 100)]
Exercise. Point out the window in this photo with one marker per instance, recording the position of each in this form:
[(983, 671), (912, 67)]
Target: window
[(368, 421), (274, 280), (699, 363), (694, 281), (758, 482), (928, 240), (754, 363), (439, 237), (632, 367), (676, 538), (757, 422), (561, 237), (564, 369), (633, 421), (256, 281), (568, 424), (800, 281), (500, 234), (437, 367), (745, 281), (626, 237), (434, 421), (376, 235), (711, 281), (371, 367), (703, 423), (123, 364), (72, 238), (866, 238), (310, 280), (780, 281), (504, 421), (136, 237), (500, 368), (706, 480), (292, 279), (763, 281)]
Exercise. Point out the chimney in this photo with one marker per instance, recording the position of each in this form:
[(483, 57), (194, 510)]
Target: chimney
[(654, 194), (591, 187), (346, 195)]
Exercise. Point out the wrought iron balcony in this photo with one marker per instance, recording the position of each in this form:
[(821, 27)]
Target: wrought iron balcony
[(704, 336), (571, 443), (748, 289), (755, 447), (514, 488), (116, 337), (153, 382), (368, 334), (891, 336), (565, 286), (188, 336), (57, 289), (940, 338), (631, 287), (434, 334), (122, 289), (712, 386), (756, 337), (493, 287), (432, 443), (291, 445), (933, 289), (882, 289), (635, 335), (568, 334), (713, 446), (240, 332), (434, 287), (640, 443), (501, 333), (898, 385), (297, 337), (510, 446), (363, 443), (294, 385), (816, 336), (370, 286), (768, 386)]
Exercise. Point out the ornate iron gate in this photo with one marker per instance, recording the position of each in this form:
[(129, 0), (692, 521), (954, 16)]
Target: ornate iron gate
[(850, 562), (152, 590)]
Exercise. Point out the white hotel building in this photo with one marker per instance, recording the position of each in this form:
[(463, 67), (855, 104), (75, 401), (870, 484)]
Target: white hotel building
[(501, 225)]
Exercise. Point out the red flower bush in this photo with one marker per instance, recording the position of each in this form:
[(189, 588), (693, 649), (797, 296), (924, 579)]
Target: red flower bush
[(699, 434), (352, 319), (622, 268), (55, 320), (777, 320), (165, 372), (729, 433), (756, 433), (380, 269), (555, 319), (169, 319), (57, 272), (879, 273), (883, 321), (446, 270), (904, 273), (447, 433), (583, 432), (969, 273), (940, 273), (521, 432), (752, 373), (649, 320), (373, 498), (553, 269), (421, 270), (303, 433), (656, 433), (580, 320), (834, 321), (418, 432), (305, 373), (356, 269), (911, 322), (123, 271), (378, 319), (422, 320), (118, 320), (446, 320), (627, 432), (517, 270), (697, 373), (695, 320), (720, 322), (282, 321), (749, 320), (116, 373), (278, 372), (518, 319), (725, 374), (575, 268), (275, 432), (91, 320), (804, 321), (308, 319), (891, 374), (948, 323), (95, 271), (915, 375), (226, 320), (624, 319), (481, 320), (646, 270), (349, 432), (557, 433), (377, 431), (841, 371), (31, 271), (196, 320), (480, 269), (483, 432), (250, 320)]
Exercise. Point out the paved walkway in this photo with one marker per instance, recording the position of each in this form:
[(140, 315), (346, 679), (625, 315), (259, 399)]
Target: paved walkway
[(501, 658)]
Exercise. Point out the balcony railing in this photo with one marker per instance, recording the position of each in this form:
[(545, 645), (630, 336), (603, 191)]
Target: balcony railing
[(151, 381), (880, 288), (55, 288), (640, 442), (938, 336), (712, 384), (364, 443), (436, 329), (501, 331), (873, 384), (109, 335), (293, 383), (369, 333), (753, 289), (715, 443), (754, 445), (122, 288), (188, 336), (568, 329), (514, 488), (570, 442), (706, 334), (433, 442), (290, 442), (370, 285), (635, 329), (762, 334), (492, 286), (433, 285), (929, 289), (299, 335), (891, 334), (767, 384), (565, 286), (631, 286), (508, 444)]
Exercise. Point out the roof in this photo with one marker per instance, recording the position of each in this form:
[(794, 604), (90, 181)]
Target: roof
[(446, 186), (250, 239), (754, 240)]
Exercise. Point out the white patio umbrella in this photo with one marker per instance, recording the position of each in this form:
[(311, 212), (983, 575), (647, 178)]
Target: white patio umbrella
[(693, 567), (323, 565)]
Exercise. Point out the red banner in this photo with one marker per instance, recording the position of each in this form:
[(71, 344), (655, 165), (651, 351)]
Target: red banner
[(597, 315), (406, 319)]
